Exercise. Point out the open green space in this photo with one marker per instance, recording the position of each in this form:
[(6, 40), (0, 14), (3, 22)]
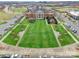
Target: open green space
[(64, 37), (14, 37), (39, 35)]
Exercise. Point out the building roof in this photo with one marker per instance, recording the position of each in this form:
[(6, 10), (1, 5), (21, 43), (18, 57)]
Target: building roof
[(38, 9), (75, 13), (2, 7)]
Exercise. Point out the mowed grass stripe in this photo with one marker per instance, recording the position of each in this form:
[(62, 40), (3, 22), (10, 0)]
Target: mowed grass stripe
[(43, 34), (33, 35), (50, 37), (30, 36), (38, 36), (26, 40), (37, 42), (53, 42)]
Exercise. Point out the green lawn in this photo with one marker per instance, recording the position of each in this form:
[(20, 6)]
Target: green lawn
[(13, 37), (39, 35), (64, 37)]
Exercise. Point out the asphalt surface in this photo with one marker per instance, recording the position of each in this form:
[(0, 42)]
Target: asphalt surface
[(69, 22)]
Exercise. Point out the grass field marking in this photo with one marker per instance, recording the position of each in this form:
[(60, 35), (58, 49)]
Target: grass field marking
[(22, 35), (68, 32), (56, 37), (11, 30)]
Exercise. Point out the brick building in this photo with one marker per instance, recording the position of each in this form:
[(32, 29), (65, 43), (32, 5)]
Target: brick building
[(38, 12)]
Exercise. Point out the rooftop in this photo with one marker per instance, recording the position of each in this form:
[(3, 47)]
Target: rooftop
[(75, 13)]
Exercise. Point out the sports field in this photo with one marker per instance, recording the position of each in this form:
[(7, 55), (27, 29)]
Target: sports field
[(38, 34)]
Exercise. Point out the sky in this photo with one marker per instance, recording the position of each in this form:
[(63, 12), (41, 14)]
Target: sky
[(39, 0)]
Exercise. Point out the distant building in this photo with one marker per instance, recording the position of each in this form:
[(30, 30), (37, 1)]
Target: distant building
[(38, 12), (74, 14), (2, 7)]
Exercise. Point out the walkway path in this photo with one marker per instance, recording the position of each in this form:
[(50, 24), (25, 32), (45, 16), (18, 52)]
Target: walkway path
[(56, 37), (22, 35), (61, 51), (54, 34), (68, 31), (11, 30)]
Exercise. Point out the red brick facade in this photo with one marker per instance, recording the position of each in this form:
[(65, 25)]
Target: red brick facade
[(33, 15)]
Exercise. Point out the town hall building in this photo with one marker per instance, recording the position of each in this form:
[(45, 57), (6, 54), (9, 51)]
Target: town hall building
[(39, 12)]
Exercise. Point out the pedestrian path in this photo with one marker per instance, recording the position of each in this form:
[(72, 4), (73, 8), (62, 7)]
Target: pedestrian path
[(67, 31), (11, 30), (56, 37), (22, 35)]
